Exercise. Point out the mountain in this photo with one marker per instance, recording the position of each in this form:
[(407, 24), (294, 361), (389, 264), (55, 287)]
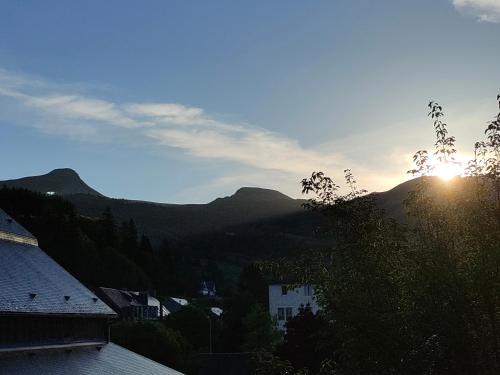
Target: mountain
[(392, 201), (62, 181), (237, 220), (161, 220)]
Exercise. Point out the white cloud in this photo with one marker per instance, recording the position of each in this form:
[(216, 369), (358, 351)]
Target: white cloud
[(169, 112), (253, 147), (174, 125), (77, 107), (483, 10)]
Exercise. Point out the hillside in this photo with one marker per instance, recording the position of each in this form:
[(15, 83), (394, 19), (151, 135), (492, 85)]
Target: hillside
[(161, 220), (250, 212)]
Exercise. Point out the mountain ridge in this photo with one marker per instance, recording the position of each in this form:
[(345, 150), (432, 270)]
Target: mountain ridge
[(248, 206), (158, 220)]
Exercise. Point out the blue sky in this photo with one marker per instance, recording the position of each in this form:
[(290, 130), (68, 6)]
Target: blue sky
[(185, 101)]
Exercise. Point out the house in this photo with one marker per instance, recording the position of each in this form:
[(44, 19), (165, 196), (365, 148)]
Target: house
[(49, 322), (132, 305), (286, 299), (173, 304), (207, 288), (217, 311)]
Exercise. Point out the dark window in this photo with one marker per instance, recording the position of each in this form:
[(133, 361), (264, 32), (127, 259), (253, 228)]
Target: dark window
[(281, 313), (289, 313), (284, 290)]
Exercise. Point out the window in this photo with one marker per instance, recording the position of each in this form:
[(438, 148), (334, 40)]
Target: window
[(308, 290), (284, 290), (289, 313), (281, 313)]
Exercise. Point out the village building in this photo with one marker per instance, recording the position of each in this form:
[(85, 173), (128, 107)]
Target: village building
[(285, 301), (132, 305), (174, 304), (207, 289), (139, 305), (49, 322)]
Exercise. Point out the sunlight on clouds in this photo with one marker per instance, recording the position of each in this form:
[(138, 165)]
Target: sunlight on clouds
[(484, 10)]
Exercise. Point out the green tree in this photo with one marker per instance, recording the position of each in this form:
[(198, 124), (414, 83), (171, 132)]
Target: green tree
[(455, 237), (153, 340), (260, 331), (422, 298), (308, 340), (251, 291), (195, 324)]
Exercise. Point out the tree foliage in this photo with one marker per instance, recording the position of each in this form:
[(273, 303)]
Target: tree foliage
[(154, 340), (421, 298)]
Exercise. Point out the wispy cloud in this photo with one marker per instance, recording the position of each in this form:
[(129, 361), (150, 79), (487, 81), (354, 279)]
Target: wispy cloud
[(170, 113), (483, 10), (173, 125)]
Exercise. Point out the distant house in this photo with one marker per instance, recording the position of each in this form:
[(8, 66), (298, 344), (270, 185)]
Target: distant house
[(217, 311), (285, 301), (173, 304), (207, 288), (49, 322), (132, 305)]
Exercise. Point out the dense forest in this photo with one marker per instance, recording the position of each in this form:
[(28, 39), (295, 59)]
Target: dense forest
[(100, 252)]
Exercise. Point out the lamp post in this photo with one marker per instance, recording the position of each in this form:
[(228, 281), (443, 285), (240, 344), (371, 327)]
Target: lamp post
[(209, 333)]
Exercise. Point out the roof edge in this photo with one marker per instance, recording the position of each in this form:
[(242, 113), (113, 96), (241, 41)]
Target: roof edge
[(54, 346), (14, 237), (111, 315)]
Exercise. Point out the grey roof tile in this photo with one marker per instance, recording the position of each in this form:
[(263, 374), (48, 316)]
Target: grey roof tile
[(172, 305), (32, 282), (121, 298), (110, 360)]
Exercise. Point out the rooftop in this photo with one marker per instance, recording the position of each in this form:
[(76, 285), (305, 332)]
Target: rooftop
[(11, 230), (109, 359), (33, 283)]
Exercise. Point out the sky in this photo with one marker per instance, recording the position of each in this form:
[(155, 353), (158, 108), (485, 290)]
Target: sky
[(186, 101)]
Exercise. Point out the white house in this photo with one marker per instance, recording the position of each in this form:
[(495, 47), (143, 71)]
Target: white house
[(284, 302)]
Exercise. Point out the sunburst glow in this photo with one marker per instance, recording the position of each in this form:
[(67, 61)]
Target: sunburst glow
[(446, 171)]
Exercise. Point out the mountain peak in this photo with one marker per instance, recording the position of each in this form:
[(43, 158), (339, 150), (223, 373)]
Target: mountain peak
[(255, 193), (61, 181), (63, 172)]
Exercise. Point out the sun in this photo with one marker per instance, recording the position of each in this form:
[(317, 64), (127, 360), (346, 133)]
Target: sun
[(446, 171)]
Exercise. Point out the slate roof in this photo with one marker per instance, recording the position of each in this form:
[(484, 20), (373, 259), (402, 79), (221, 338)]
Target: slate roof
[(110, 360), (7, 224), (172, 305), (119, 298), (33, 283)]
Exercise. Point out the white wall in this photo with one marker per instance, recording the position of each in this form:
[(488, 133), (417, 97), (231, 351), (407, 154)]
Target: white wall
[(293, 299)]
